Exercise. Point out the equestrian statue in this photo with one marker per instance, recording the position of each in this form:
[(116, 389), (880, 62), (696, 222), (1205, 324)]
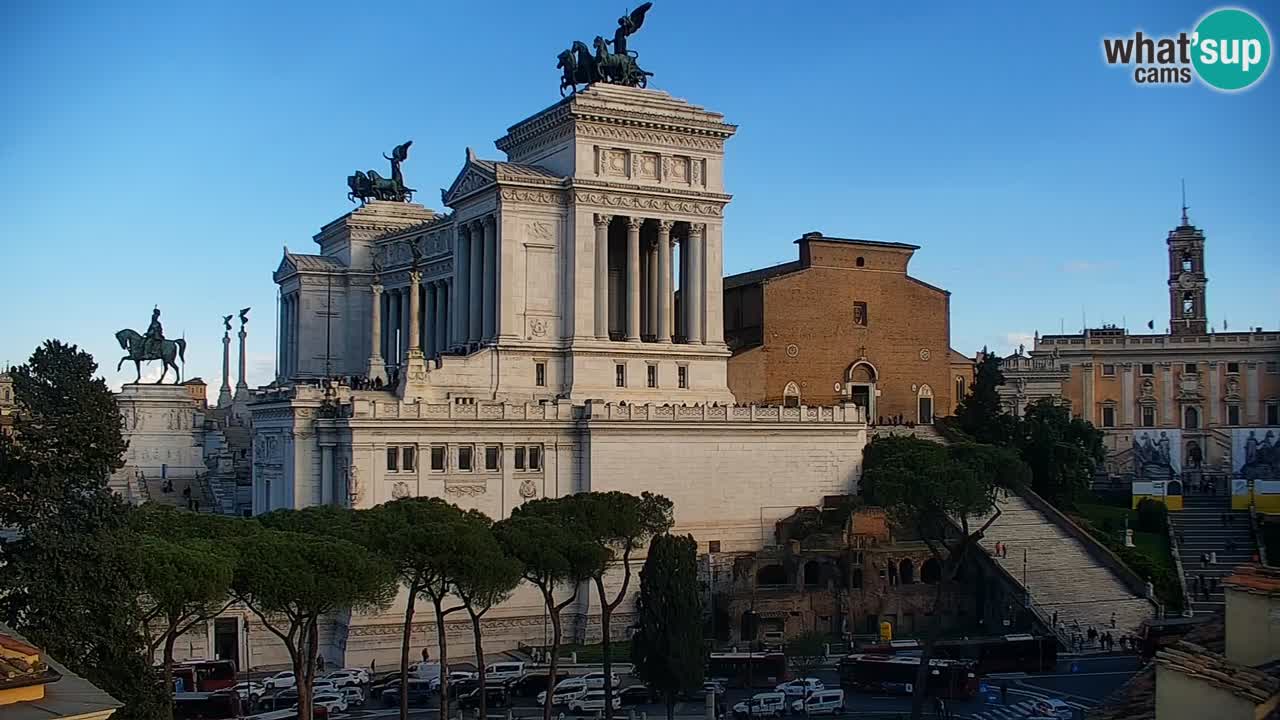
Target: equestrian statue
[(616, 67), (152, 346), (372, 186)]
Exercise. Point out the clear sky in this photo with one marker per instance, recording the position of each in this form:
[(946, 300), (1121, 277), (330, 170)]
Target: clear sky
[(164, 152)]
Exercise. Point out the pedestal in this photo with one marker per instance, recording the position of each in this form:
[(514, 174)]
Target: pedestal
[(377, 369), (413, 376)]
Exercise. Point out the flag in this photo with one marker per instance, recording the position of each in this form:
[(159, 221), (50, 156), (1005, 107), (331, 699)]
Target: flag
[(1224, 323), (1151, 324)]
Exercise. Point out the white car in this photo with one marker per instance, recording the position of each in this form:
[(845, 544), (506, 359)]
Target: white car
[(800, 687), (280, 681), (592, 701), (822, 702), (250, 690), (595, 681), (504, 671), (343, 678), (353, 695), (323, 686), (1054, 708), (568, 689), (454, 676), (760, 705), (331, 702)]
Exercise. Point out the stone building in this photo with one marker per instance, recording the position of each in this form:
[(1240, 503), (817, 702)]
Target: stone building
[(529, 344), (1187, 399), (844, 323)]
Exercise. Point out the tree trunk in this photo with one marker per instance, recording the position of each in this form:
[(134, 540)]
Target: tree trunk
[(301, 681), (926, 653), (169, 640), (475, 631), (404, 652), (606, 616), (555, 653), (444, 658)]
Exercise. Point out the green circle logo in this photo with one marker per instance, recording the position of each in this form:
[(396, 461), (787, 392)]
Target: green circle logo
[(1232, 49)]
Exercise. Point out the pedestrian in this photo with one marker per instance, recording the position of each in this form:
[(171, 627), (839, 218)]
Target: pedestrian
[(1055, 619), (1204, 560), (1113, 619), (426, 655), (373, 667), (1213, 557), (1092, 635), (1182, 538)]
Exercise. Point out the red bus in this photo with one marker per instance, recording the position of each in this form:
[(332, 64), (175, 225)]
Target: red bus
[(1003, 653), (868, 672), (747, 669), (223, 705), (205, 675)]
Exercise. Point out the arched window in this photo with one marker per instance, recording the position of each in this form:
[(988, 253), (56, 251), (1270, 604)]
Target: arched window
[(959, 388), (906, 572), (812, 573), (924, 408), (1188, 304), (771, 575), (930, 572), (1191, 418), (1186, 262), (791, 395)]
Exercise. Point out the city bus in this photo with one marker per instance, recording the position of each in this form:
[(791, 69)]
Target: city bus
[(1018, 652), (869, 672), (220, 705), (205, 675), (747, 669)]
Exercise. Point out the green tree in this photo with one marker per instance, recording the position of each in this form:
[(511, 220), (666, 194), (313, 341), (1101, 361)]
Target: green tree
[(1063, 452), (806, 652), (487, 578), (291, 580), (619, 524), (67, 581), (980, 413), (667, 646), (552, 556), (936, 493), (418, 536)]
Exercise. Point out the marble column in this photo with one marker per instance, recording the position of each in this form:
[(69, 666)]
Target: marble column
[(664, 281), (696, 285), (413, 320), (424, 317), (384, 331), (442, 316), (404, 324), (377, 368), (1214, 378), (602, 276), (489, 322), (224, 393), (293, 334), (393, 328), (242, 386), (475, 300), (633, 278), (326, 474), (429, 320), (651, 290), (462, 285), (281, 336), (682, 320)]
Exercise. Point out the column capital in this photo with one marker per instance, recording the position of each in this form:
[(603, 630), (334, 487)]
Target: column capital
[(634, 223), (489, 221), (415, 277), (476, 225), (696, 230), (664, 226), (601, 219)]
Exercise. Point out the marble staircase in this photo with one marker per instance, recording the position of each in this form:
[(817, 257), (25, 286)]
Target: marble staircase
[(1200, 529), (199, 491), (1062, 576)]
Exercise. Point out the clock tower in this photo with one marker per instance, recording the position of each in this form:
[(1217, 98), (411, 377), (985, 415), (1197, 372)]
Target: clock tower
[(1187, 312)]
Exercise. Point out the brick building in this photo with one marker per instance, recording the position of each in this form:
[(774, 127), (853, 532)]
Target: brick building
[(845, 322)]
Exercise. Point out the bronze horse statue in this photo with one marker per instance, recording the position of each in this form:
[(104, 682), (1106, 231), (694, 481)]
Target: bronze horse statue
[(170, 350)]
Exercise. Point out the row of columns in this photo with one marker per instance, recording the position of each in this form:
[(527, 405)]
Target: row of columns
[(394, 328), (290, 316), (476, 268), (658, 295)]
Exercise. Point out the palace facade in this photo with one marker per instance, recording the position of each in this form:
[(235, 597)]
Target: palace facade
[(1186, 401)]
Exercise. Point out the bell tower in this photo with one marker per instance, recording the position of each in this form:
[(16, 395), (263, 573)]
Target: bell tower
[(1187, 282)]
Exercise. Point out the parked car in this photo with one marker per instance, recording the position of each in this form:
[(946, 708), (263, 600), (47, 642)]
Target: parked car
[(343, 678), (1054, 708), (566, 690), (281, 680), (323, 686), (771, 640), (496, 696), (534, 683), (354, 696), (820, 702), (419, 692), (333, 702), (380, 682), (591, 701), (635, 695), (766, 704), (595, 680), (800, 687), (699, 695), (504, 671), (455, 677), (250, 690)]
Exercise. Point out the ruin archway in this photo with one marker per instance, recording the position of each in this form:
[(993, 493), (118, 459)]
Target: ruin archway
[(906, 572), (931, 571)]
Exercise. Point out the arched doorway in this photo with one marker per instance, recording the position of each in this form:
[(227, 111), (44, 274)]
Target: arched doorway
[(771, 575), (924, 405), (791, 395), (906, 572), (861, 379), (931, 571), (812, 573)]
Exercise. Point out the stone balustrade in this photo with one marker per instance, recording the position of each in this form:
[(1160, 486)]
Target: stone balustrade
[(379, 409)]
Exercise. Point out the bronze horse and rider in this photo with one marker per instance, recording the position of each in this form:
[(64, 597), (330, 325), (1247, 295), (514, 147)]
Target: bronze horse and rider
[(152, 346), (618, 67), (372, 186)]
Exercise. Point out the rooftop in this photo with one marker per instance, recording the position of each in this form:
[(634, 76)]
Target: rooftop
[(815, 235), (66, 695), (1255, 579), (1195, 661), (752, 277)]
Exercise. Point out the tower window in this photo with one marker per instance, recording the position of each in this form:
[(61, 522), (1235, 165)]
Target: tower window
[(1186, 262), (1188, 304)]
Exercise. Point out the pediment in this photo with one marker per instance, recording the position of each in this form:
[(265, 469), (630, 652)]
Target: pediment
[(286, 268), (475, 174)]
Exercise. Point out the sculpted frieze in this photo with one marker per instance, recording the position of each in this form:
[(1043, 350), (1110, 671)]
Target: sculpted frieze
[(532, 197), (639, 202), (652, 137)]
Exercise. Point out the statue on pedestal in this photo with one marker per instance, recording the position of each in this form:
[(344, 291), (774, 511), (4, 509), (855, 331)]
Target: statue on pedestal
[(152, 346), (372, 186), (616, 67)]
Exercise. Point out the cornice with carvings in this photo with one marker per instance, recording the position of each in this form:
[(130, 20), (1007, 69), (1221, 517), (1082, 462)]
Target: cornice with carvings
[(657, 190), (632, 201), (532, 196)]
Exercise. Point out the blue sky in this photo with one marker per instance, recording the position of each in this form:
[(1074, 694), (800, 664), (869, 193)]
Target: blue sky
[(161, 152)]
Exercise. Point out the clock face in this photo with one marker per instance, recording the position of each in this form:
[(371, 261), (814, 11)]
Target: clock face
[(1186, 281)]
